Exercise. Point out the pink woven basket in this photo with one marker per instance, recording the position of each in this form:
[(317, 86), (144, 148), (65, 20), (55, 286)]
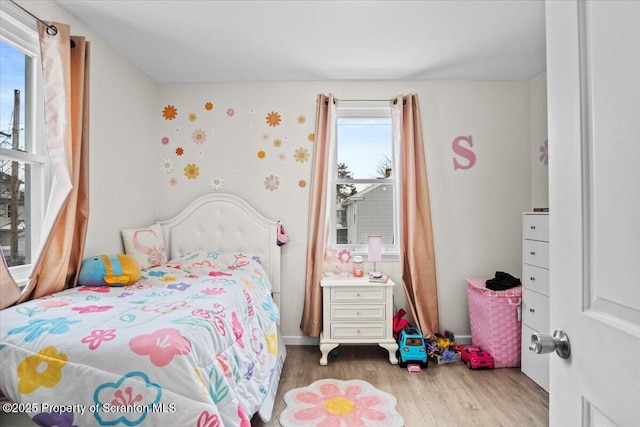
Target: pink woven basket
[(495, 321)]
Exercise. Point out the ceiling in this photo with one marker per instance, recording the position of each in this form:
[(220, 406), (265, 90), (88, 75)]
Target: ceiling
[(304, 40)]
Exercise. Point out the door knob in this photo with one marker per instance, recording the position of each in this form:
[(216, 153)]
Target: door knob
[(543, 343)]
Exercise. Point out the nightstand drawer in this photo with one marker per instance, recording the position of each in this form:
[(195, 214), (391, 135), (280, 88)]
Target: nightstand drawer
[(535, 311), (351, 312), (535, 253), (376, 294), (536, 279), (536, 227), (371, 330)]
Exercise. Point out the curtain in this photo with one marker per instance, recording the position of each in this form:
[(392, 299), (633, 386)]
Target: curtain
[(65, 69), (417, 254), (319, 205)]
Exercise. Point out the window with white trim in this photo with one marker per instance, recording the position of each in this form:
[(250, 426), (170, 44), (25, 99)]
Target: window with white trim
[(364, 183), (24, 168)]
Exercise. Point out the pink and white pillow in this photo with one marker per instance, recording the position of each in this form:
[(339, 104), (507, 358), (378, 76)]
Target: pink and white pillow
[(146, 245)]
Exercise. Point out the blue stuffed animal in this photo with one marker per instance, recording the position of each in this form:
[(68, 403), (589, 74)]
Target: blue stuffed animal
[(109, 270)]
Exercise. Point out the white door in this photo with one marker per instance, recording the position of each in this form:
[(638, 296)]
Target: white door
[(593, 76)]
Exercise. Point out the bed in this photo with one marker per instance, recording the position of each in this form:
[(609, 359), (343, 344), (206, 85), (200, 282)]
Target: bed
[(195, 342)]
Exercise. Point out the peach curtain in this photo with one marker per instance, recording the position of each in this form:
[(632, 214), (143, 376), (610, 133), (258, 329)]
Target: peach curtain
[(417, 254), (65, 67), (317, 231)]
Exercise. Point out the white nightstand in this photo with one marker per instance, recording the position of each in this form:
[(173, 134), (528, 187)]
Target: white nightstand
[(356, 311)]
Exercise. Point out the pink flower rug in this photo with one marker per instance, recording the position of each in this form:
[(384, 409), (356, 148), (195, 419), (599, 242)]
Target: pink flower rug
[(336, 403)]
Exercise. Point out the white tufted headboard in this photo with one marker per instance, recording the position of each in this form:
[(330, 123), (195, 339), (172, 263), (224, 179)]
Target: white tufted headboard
[(225, 223)]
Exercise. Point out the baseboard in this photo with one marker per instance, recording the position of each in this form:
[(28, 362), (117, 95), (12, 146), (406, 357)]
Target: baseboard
[(305, 340), (300, 340)]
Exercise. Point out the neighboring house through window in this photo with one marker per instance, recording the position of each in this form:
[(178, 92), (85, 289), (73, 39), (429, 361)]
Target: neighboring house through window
[(24, 180), (364, 180)]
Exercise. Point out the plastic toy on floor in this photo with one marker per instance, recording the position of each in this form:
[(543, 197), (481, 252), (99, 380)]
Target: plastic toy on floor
[(411, 348), (476, 358)]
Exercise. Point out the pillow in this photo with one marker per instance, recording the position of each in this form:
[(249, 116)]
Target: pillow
[(109, 270), (145, 245)]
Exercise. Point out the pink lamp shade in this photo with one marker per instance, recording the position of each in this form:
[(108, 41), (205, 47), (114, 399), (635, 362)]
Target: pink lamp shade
[(375, 248)]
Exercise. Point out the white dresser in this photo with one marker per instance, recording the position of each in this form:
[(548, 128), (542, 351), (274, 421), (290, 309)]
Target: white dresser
[(356, 311), (535, 293)]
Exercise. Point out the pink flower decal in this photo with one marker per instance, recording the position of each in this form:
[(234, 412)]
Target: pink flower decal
[(96, 337), (271, 183), (92, 309), (161, 346), (199, 136), (208, 420), (165, 140), (544, 152), (231, 112)]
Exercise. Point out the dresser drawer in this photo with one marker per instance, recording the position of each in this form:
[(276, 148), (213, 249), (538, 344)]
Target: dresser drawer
[(535, 311), (371, 330), (535, 253), (536, 227), (535, 366), (356, 312), (536, 279), (360, 294)]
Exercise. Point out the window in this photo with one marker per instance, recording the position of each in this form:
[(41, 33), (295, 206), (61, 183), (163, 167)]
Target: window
[(364, 183), (23, 162)]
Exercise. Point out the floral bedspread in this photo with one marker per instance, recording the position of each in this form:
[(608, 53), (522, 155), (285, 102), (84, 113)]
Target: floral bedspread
[(193, 343)]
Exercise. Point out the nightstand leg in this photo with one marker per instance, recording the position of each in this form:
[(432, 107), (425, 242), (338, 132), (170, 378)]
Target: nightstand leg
[(391, 348), (325, 349)]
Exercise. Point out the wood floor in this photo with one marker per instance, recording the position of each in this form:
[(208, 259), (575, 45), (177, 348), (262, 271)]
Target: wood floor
[(441, 395)]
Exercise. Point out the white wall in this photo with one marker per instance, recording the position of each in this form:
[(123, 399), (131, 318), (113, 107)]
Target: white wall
[(476, 211), (121, 138), (539, 169)]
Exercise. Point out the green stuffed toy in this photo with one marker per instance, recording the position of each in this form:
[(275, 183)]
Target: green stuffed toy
[(109, 270)]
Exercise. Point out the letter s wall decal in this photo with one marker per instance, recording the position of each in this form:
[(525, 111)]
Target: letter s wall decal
[(464, 152)]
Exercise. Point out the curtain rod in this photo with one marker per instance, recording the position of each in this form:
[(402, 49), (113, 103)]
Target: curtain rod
[(51, 29), (395, 101)]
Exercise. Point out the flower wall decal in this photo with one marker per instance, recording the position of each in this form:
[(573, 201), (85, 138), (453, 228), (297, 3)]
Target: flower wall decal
[(179, 151), (301, 155), (165, 140), (311, 137), (199, 136), (261, 154), (277, 142), (169, 112), (192, 117), (208, 106), (544, 152), (231, 112), (191, 171), (216, 183), (167, 165), (302, 183), (271, 183), (301, 119), (273, 119)]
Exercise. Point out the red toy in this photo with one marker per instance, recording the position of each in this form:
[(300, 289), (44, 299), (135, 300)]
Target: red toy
[(475, 357)]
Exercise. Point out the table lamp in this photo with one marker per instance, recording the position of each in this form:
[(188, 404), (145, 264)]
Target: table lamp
[(374, 250)]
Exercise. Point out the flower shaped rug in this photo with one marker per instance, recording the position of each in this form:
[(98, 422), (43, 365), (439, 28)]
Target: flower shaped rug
[(336, 403)]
